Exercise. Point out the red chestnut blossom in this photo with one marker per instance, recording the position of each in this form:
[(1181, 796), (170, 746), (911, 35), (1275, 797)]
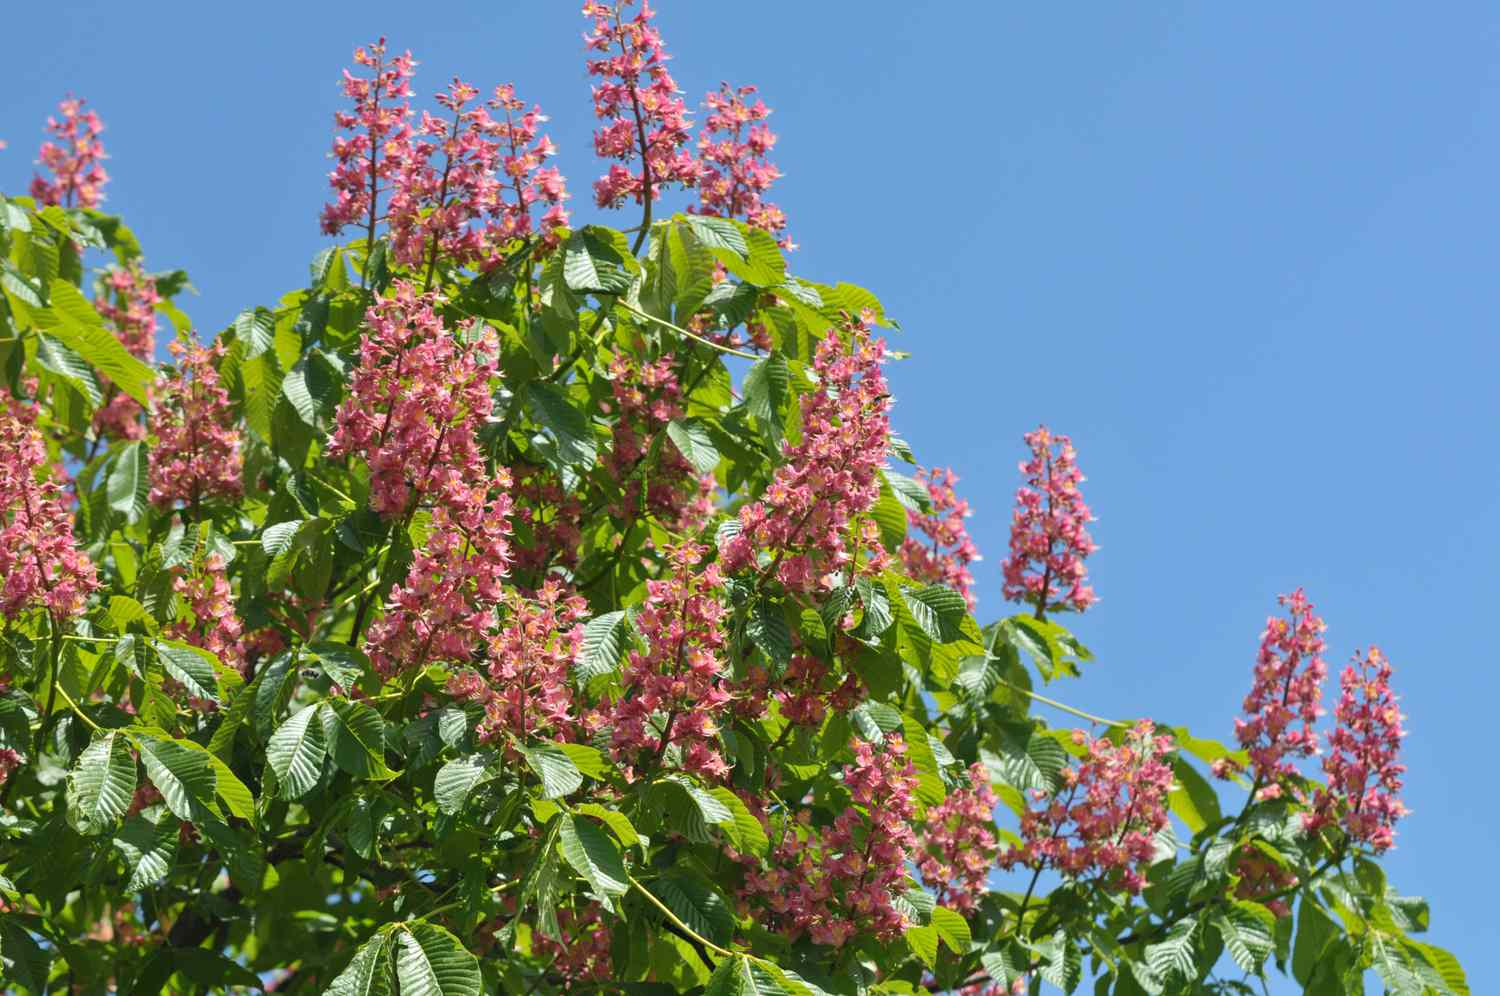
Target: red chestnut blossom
[(415, 403), (197, 451), (1289, 673), (1049, 539), (809, 689), (1364, 777), (529, 694), (9, 762), (835, 883), (547, 520), (951, 552), (380, 139), (673, 694), (647, 397), (40, 565), (643, 113), (735, 172), (830, 477), (215, 626), (582, 954), (127, 298), (1261, 876), (74, 160), (958, 847), (1104, 819), (522, 155)]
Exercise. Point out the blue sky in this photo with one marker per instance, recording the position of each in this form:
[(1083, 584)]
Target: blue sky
[(1243, 254)]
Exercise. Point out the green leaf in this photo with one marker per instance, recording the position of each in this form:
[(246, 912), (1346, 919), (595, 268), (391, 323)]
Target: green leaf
[(431, 962), (603, 642), (694, 443), (184, 776), (296, 751), (127, 482), (356, 736), (256, 328), (1315, 931), (924, 943), (588, 760), (568, 426), (1194, 800), (938, 609), (1026, 758), (769, 632), (559, 774), (192, 666), (24, 962), (593, 264), (1249, 931), (456, 779), (696, 904), (101, 784), (58, 359), (742, 828), (212, 970), (593, 855), (952, 928), (767, 387), (71, 318), (618, 822), (1173, 956), (148, 849), (343, 664), (368, 972), (1446, 966)]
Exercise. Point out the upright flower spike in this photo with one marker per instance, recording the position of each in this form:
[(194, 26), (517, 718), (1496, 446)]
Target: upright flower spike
[(523, 151), (945, 556), (647, 396), (1104, 819), (215, 625), (1364, 777), (127, 299), (40, 565), (197, 452), (379, 140), (1049, 538), (833, 884), (673, 693), (645, 123), (75, 159), (958, 847), (1287, 688), (830, 478), (734, 172)]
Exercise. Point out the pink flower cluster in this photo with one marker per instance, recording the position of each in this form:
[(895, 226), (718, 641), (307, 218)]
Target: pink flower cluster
[(1260, 877), (40, 565), (215, 626), (1364, 777), (434, 209), (127, 299), (1115, 803), (197, 451), (548, 520), (414, 407), (1287, 688), (958, 847), (9, 762), (1049, 538), (734, 170), (74, 159), (809, 689), (830, 477), (947, 559), (638, 101), (836, 883), (381, 133), (647, 397), (582, 955), (529, 694), (673, 695)]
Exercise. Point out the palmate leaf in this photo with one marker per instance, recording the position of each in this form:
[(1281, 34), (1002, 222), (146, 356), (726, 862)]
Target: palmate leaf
[(431, 962), (1173, 958), (192, 666), (739, 976), (101, 784), (568, 426)]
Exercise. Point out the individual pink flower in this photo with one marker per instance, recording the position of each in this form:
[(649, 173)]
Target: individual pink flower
[(1049, 538), (75, 159), (734, 171), (1287, 689), (377, 146), (806, 520), (1364, 777), (215, 626), (197, 452), (946, 553), (415, 404), (958, 847), (645, 124), (1104, 819), (834, 883), (673, 695), (527, 690), (127, 299), (41, 566)]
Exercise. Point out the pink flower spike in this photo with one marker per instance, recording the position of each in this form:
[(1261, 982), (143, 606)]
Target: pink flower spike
[(74, 159), (1049, 539), (1287, 689), (734, 171), (197, 452)]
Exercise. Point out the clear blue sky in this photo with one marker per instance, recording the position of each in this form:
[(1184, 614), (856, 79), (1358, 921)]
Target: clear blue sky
[(1243, 254)]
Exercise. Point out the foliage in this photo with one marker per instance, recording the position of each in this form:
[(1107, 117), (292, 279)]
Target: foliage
[(668, 692)]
